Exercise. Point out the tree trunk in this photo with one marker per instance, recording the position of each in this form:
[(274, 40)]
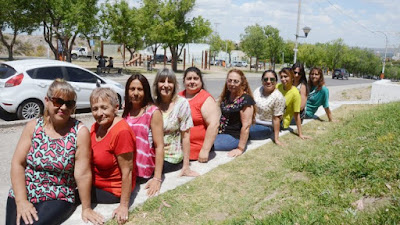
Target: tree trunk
[(256, 64), (10, 46)]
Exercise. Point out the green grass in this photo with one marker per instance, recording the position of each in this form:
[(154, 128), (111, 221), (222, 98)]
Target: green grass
[(318, 181)]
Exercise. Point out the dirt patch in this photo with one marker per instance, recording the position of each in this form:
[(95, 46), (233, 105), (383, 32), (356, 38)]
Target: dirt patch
[(370, 203), (353, 94)]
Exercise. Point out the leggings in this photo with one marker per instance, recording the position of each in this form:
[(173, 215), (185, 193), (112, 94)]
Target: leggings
[(49, 212)]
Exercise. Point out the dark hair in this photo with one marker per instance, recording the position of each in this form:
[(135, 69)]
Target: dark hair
[(269, 71), (289, 72), (162, 75), (194, 70), (321, 81), (148, 99), (303, 79)]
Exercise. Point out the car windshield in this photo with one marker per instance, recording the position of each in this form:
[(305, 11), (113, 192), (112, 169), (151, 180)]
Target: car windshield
[(6, 71)]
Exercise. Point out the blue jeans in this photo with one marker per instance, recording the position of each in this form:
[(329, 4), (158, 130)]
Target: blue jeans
[(225, 142), (260, 132), (49, 212)]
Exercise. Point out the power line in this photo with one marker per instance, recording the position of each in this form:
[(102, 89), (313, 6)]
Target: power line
[(354, 20)]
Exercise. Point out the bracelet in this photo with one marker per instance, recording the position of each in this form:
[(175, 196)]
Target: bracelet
[(157, 179)]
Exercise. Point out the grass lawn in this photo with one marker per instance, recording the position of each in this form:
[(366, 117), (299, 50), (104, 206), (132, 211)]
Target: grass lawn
[(347, 174)]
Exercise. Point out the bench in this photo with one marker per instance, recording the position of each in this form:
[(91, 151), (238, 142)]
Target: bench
[(101, 70)]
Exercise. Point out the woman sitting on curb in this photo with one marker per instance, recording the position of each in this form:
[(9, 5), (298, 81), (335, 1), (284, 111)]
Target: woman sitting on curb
[(146, 122), (319, 94), (238, 113), (205, 115), (270, 108), (114, 147)]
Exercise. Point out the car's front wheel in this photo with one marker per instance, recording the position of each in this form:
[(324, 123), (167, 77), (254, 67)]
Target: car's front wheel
[(30, 109)]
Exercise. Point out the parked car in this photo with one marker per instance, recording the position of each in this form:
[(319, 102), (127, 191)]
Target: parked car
[(244, 63), (239, 64), (159, 58), (254, 65), (340, 73), (234, 63), (24, 84)]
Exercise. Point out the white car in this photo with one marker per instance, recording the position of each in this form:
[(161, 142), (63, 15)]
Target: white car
[(24, 84)]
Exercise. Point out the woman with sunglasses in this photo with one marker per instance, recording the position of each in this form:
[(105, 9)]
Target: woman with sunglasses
[(270, 108), (114, 145), (319, 94), (238, 113), (205, 115), (146, 122), (52, 157), (300, 82), (292, 100), (177, 121)]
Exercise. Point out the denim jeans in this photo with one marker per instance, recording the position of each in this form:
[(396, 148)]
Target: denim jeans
[(225, 142), (260, 132), (49, 212)]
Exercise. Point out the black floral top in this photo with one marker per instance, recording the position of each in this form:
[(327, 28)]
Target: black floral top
[(230, 122)]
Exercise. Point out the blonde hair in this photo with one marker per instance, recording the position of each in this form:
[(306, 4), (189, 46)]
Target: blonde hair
[(104, 94), (59, 88)]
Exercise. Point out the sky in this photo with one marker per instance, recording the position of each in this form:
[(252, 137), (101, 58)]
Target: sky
[(354, 21)]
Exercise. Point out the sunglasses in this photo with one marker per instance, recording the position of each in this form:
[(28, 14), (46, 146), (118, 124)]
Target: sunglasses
[(58, 102), (270, 79), (296, 72)]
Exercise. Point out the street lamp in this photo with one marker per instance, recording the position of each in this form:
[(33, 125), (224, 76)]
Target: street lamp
[(384, 59), (305, 29)]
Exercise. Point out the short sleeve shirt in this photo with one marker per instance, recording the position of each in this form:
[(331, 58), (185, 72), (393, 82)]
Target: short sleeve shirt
[(120, 139), (316, 99), (175, 121), (230, 122), (293, 103), (269, 106)]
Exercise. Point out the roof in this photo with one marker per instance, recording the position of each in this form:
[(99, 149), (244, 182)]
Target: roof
[(27, 64)]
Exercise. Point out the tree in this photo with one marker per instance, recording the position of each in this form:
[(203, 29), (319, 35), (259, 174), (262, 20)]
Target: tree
[(229, 46), (254, 42), (20, 17), (150, 21), (312, 55), (274, 44), (177, 29), (121, 25), (216, 44), (334, 51), (65, 20)]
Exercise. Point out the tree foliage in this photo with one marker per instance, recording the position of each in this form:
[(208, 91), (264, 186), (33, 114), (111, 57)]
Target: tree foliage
[(177, 28), (19, 16), (216, 44), (121, 24), (274, 44), (64, 20)]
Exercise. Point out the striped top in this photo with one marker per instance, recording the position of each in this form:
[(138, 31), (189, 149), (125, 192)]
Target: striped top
[(145, 152)]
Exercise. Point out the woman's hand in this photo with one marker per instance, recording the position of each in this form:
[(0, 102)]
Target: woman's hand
[(277, 142), (189, 173), (304, 137), (153, 186), (235, 152), (27, 212), (203, 156), (121, 214), (89, 215)]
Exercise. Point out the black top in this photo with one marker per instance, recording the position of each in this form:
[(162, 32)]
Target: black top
[(230, 122)]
